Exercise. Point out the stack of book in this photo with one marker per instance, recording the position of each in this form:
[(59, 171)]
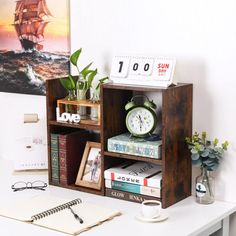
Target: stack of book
[(134, 181), (66, 153)]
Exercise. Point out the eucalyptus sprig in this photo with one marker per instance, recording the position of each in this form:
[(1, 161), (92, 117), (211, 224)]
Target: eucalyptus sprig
[(206, 153)]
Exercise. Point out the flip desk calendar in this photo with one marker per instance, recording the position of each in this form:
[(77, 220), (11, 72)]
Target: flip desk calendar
[(143, 70)]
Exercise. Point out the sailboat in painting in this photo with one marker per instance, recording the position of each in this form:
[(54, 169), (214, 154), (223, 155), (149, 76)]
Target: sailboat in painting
[(30, 23)]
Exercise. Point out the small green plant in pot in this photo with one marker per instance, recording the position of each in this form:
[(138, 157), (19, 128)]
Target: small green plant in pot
[(206, 154), (82, 83)]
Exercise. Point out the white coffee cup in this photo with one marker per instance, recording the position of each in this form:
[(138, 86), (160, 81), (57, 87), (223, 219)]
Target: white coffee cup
[(151, 209)]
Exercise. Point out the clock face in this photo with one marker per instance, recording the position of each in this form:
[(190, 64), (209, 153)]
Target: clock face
[(140, 121)]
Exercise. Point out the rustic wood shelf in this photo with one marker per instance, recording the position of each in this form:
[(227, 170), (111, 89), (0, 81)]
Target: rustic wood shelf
[(175, 104), (73, 125), (176, 124), (132, 157)]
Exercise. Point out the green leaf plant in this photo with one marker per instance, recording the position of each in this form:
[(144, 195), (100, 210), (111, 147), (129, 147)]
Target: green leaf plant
[(206, 153), (85, 77)]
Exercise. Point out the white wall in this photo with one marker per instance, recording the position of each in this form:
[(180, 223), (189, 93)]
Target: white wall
[(200, 34), (12, 126)]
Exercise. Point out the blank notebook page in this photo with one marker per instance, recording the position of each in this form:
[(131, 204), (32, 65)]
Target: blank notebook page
[(64, 220)]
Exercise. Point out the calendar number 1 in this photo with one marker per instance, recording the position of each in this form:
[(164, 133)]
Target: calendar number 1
[(121, 65)]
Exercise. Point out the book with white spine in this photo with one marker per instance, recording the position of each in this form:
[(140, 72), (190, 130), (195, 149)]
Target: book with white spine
[(141, 173)]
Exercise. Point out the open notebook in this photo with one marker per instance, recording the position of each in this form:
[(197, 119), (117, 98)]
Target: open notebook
[(54, 213)]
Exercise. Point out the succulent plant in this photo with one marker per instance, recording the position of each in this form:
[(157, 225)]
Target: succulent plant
[(206, 153)]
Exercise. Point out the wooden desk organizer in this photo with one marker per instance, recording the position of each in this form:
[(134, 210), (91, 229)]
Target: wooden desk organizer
[(62, 103)]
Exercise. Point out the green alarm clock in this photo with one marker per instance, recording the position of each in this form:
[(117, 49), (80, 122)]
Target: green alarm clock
[(141, 120)]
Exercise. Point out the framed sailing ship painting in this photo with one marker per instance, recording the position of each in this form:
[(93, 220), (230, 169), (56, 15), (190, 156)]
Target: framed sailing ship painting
[(34, 36)]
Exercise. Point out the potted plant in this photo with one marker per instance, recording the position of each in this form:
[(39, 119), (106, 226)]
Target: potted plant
[(206, 154), (80, 85)]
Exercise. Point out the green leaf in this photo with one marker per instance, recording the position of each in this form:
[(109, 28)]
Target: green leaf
[(68, 83), (72, 82), (91, 77), (225, 145), (209, 162), (194, 151), (215, 142), (101, 81), (204, 134), (212, 168), (75, 56), (195, 156), (201, 148), (85, 71), (212, 156), (205, 153)]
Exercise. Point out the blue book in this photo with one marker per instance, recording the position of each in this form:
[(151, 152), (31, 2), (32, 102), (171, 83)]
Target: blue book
[(125, 143)]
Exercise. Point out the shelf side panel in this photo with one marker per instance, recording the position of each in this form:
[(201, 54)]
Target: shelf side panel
[(177, 124)]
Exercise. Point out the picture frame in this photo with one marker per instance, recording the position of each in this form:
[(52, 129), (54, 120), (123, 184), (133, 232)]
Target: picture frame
[(89, 174)]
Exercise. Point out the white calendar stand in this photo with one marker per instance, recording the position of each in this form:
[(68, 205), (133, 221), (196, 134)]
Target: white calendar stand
[(143, 70)]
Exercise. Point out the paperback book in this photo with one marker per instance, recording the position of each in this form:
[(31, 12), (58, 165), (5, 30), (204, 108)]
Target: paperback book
[(141, 173), (133, 197), (133, 188), (124, 143)]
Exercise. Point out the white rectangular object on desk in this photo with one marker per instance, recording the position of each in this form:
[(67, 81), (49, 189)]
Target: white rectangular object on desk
[(31, 154), (143, 70)]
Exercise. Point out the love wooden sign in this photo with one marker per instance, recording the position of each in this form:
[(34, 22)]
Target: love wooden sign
[(67, 117)]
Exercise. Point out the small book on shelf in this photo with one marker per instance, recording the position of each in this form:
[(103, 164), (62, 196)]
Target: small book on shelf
[(123, 195), (143, 147), (139, 172), (56, 214), (133, 188)]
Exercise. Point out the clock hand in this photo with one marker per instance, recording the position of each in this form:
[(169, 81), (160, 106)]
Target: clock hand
[(141, 121)]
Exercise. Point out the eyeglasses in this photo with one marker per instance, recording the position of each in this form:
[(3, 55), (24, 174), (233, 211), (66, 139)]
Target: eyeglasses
[(38, 185)]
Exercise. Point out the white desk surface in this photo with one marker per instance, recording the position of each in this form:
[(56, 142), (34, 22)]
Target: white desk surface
[(186, 218)]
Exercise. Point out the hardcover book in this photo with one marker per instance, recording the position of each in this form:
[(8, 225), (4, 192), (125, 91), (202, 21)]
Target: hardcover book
[(54, 158), (141, 173), (124, 143), (133, 188), (134, 197), (71, 148)]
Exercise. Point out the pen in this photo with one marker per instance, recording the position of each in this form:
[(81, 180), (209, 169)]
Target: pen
[(76, 216)]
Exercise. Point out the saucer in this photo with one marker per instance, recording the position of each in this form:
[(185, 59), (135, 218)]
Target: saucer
[(163, 216)]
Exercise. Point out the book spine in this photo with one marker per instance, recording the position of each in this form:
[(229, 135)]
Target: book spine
[(54, 159), (133, 197), (62, 159), (133, 188), (137, 149), (156, 183)]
